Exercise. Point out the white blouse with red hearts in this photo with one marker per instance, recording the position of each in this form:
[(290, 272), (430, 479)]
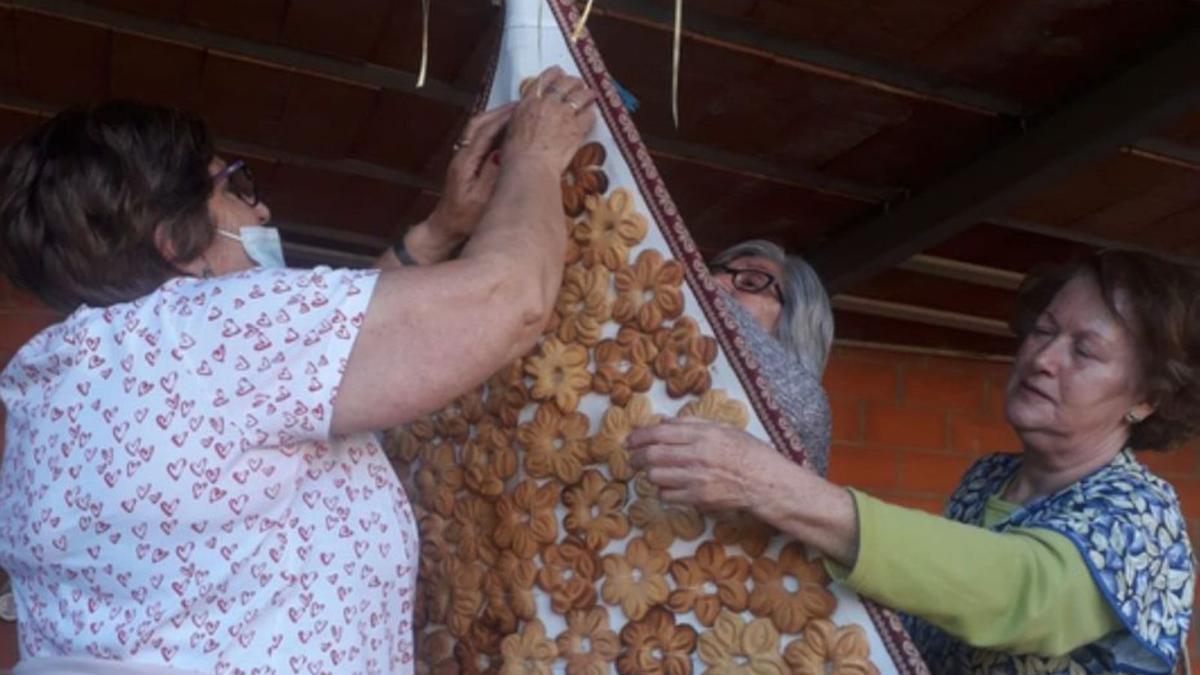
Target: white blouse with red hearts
[(171, 495)]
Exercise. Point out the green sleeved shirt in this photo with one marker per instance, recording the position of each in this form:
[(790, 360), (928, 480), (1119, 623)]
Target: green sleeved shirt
[(1024, 591)]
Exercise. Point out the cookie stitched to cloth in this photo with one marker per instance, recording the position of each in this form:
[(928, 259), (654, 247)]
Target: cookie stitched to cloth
[(471, 529), (584, 176), (611, 228), (618, 422), (735, 647), (827, 649), (662, 523), (683, 358), (529, 652), (525, 518), (556, 445), (716, 406), (656, 645), (509, 590), (560, 374), (506, 395), (595, 510), (479, 653), (648, 292), (588, 645), (708, 581), (488, 461), (439, 479), (583, 306), (435, 654), (623, 365), (636, 580), (568, 573), (790, 609)]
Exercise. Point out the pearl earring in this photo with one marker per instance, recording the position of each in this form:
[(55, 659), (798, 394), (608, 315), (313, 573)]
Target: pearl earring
[(1132, 418)]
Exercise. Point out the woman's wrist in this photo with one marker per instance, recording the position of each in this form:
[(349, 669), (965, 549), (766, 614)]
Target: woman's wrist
[(820, 514), (425, 243)]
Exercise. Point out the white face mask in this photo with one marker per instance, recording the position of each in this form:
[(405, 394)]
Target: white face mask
[(262, 244)]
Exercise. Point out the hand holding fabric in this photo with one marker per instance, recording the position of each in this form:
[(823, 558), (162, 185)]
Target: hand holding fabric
[(551, 120)]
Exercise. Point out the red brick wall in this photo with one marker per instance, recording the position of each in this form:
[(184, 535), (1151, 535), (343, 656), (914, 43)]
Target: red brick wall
[(906, 427)]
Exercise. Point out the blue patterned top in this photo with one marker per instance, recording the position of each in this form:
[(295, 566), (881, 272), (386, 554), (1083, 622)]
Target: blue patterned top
[(1128, 527)]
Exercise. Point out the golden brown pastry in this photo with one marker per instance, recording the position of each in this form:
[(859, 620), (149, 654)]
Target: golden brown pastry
[(506, 395), (466, 594), (611, 228), (568, 574), (648, 292), (583, 306), (488, 461), (528, 652), (827, 649), (735, 647), (623, 365), (636, 579), (656, 645), (661, 523), (683, 358), (741, 528), (508, 587), (435, 654), (716, 406), (560, 374), (595, 510), (588, 645), (434, 547), (439, 479), (790, 610), (479, 653), (556, 445), (471, 529), (584, 176), (525, 518), (708, 581), (401, 445), (615, 426)]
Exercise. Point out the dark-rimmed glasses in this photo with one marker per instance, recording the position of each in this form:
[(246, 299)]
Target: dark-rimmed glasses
[(750, 280), (240, 181)]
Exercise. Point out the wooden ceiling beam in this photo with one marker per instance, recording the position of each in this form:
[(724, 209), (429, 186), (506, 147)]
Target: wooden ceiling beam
[(1166, 151), (1135, 102), (742, 36), (918, 314), (956, 270), (1088, 239)]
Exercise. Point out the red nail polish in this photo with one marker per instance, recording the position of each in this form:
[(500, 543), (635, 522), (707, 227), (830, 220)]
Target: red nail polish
[(495, 158)]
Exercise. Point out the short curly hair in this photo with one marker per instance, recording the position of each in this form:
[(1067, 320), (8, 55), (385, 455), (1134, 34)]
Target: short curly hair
[(1163, 303), (87, 198)]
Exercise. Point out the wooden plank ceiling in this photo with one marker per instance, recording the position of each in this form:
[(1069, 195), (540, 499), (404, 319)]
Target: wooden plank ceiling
[(924, 154)]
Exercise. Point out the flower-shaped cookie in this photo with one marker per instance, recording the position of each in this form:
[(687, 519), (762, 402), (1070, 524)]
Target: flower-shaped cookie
[(611, 228), (434, 547), (636, 580), (656, 645), (741, 528), (791, 591), (435, 654), (662, 523), (560, 374), (568, 573), (825, 648), (732, 646), (615, 426), (479, 653), (583, 306), (556, 445), (525, 518), (439, 479), (488, 461), (584, 176), (707, 581), (529, 652), (471, 528), (401, 445), (716, 406), (508, 586), (595, 510), (683, 358), (648, 292), (506, 395), (466, 594), (454, 421), (623, 365), (588, 645)]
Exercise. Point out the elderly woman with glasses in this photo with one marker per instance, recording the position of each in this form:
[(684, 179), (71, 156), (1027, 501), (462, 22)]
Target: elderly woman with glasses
[(783, 311), (191, 482), (1070, 557)]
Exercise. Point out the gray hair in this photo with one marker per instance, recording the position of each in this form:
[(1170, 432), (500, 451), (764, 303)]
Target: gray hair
[(806, 319)]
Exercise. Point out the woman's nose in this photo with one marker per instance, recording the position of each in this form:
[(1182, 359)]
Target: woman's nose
[(263, 211), (724, 281)]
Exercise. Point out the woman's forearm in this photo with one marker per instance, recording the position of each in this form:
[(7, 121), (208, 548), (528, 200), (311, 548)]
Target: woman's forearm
[(818, 513)]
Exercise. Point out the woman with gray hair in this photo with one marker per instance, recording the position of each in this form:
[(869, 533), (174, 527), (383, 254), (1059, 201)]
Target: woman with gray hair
[(783, 312)]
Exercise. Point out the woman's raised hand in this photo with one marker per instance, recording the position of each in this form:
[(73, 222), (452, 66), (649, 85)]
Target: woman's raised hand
[(471, 175), (551, 120)]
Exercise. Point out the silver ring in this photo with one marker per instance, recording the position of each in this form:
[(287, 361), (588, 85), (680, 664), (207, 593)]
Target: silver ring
[(460, 144), (573, 104)]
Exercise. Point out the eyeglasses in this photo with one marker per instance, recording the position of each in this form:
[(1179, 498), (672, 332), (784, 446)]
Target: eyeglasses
[(240, 181), (750, 280)]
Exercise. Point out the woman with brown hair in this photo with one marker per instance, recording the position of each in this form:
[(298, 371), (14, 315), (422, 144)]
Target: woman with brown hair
[(1070, 557), (190, 478)]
